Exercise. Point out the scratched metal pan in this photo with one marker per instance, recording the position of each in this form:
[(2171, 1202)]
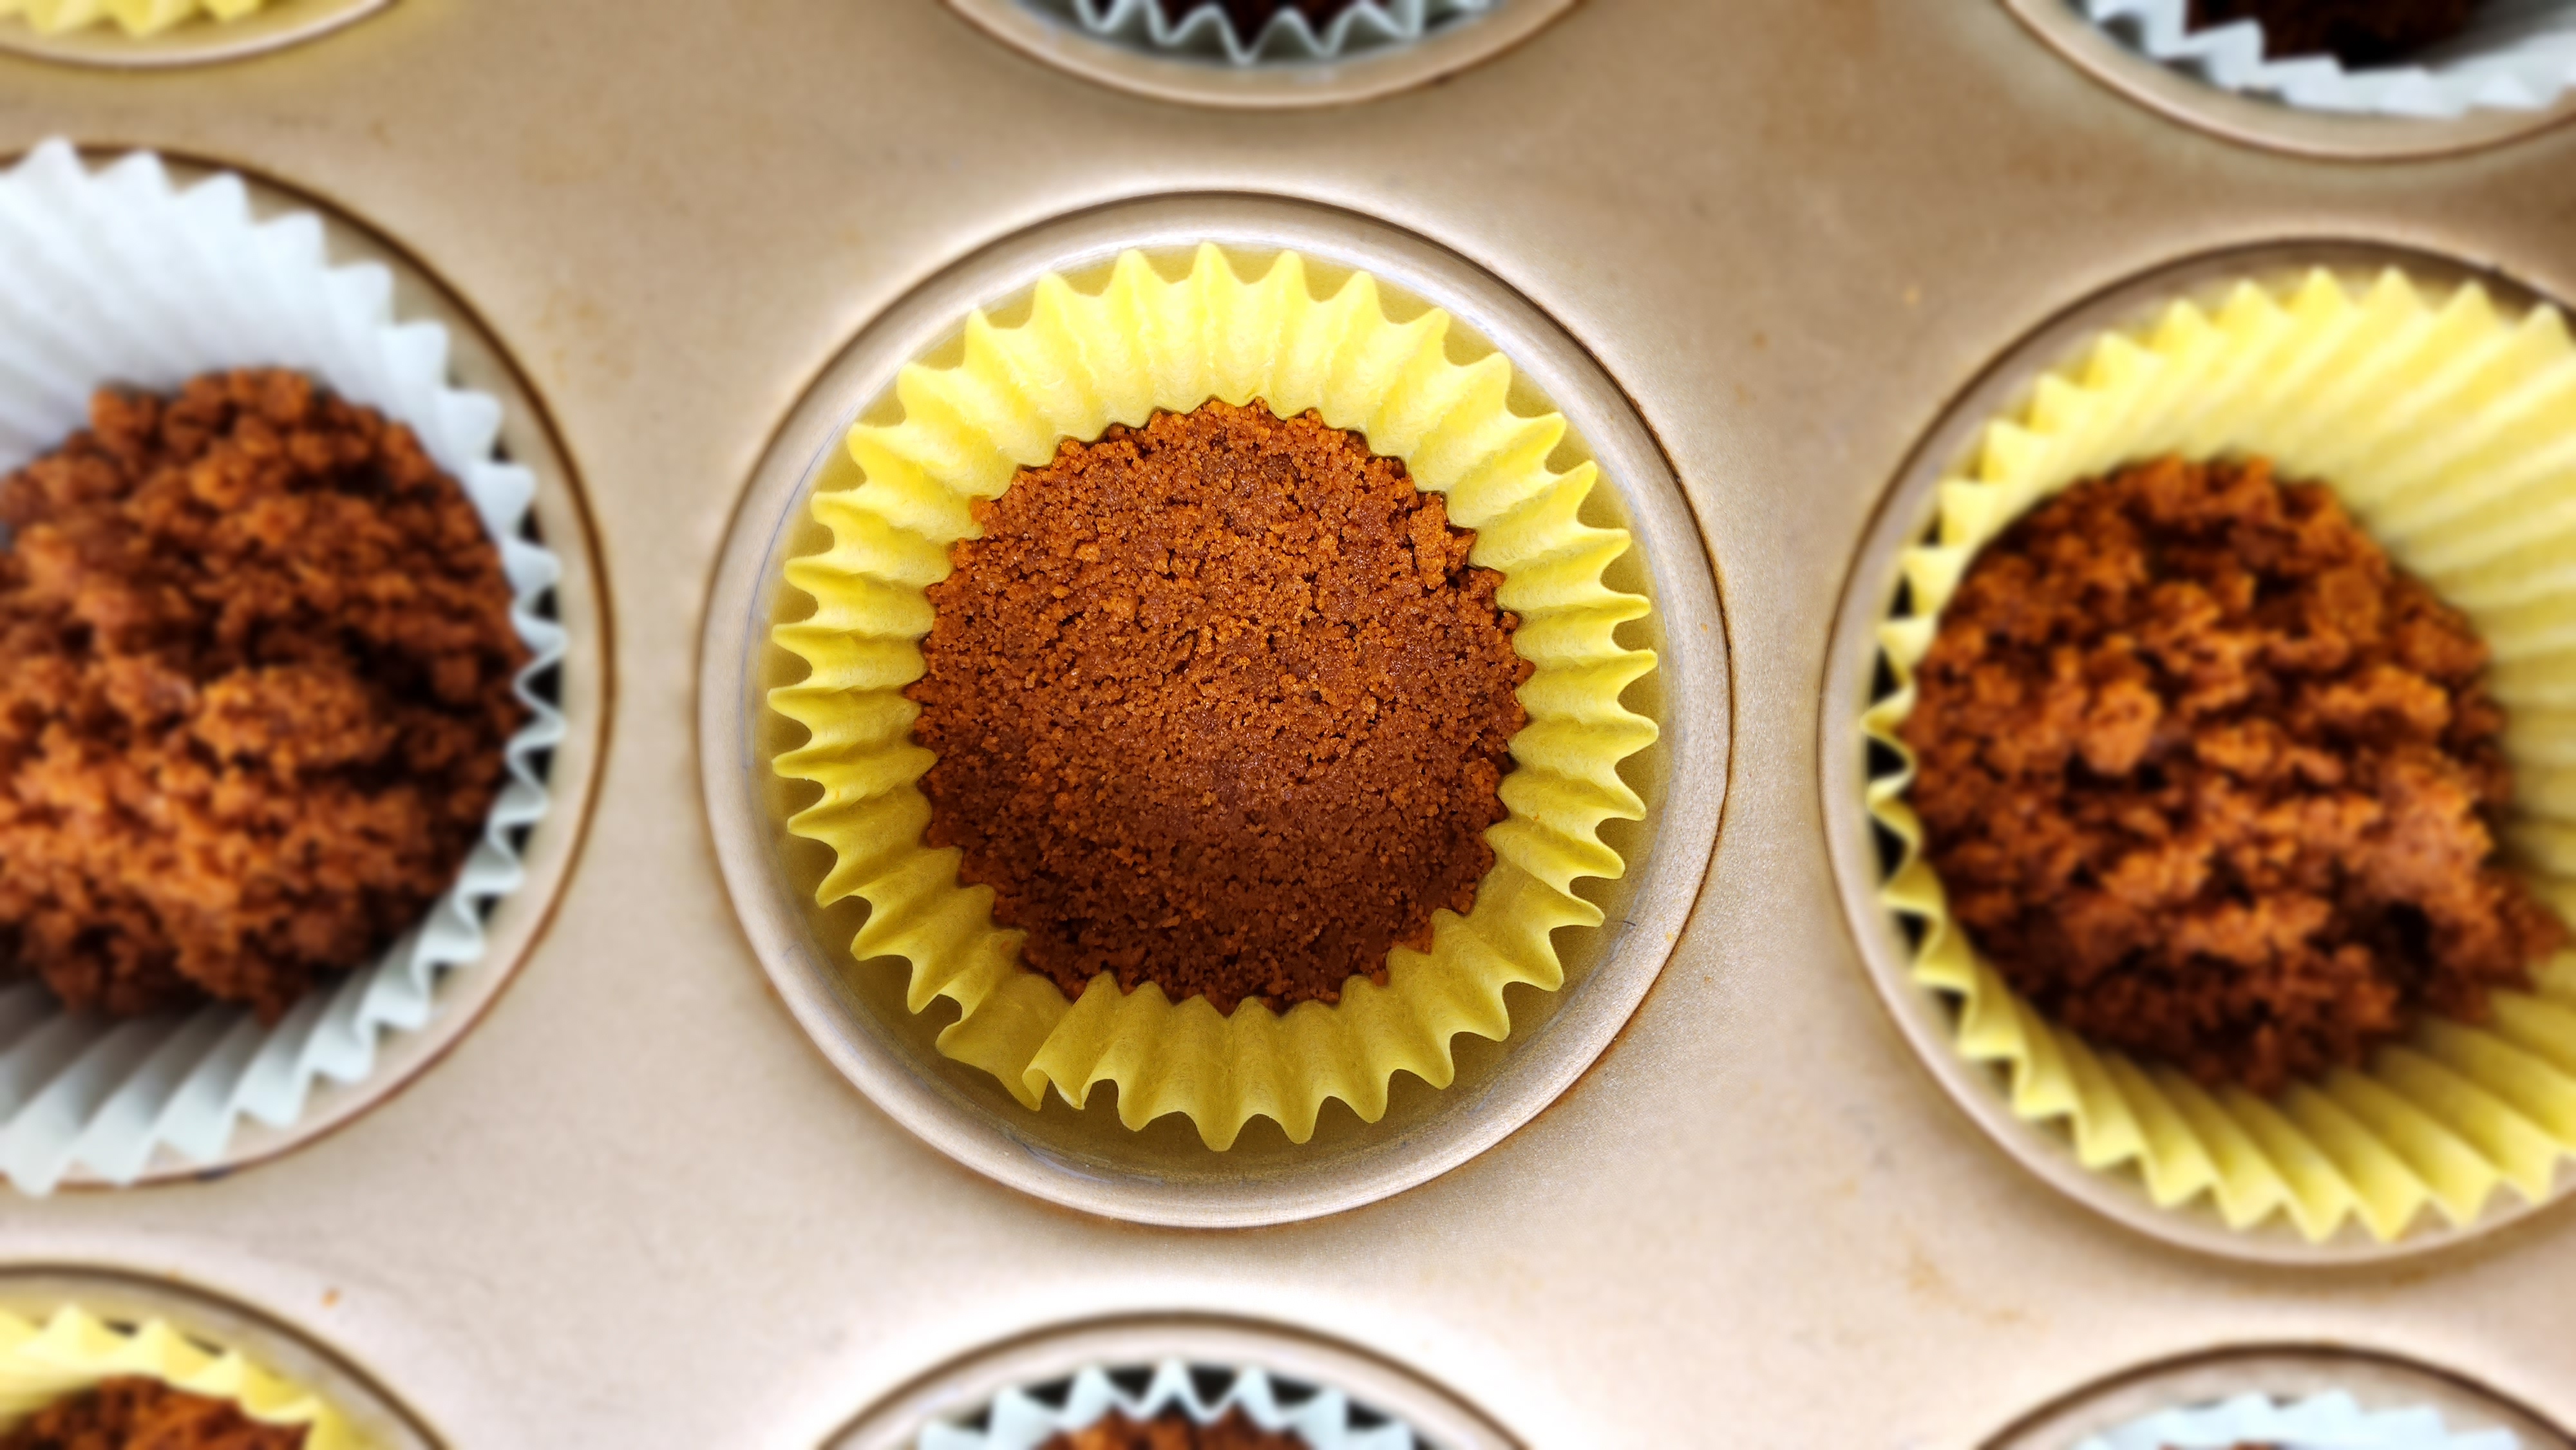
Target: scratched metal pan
[(635, 1206)]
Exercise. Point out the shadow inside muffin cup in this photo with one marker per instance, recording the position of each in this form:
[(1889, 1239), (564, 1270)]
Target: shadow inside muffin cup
[(2019, 1110)]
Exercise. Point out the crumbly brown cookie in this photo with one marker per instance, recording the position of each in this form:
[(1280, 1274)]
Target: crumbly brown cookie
[(145, 1414), (256, 666), (2207, 777), (1218, 703)]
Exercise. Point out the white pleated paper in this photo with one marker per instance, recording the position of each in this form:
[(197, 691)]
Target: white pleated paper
[(1017, 1421), (1288, 39), (2520, 55), (2334, 1421), (120, 277)]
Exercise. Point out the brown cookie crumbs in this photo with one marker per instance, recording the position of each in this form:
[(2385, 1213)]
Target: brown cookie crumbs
[(1218, 704), (144, 1414), (2208, 778), (1172, 1430), (256, 668), (2356, 32)]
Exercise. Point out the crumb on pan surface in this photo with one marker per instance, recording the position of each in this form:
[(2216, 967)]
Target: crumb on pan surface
[(1173, 1430), (134, 1413), (1218, 703), (2356, 32), (2208, 778), (256, 677)]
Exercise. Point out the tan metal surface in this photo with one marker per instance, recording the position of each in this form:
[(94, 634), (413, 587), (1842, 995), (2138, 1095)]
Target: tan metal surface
[(635, 1207)]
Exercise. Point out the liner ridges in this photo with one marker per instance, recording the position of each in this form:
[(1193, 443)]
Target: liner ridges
[(2446, 1119), (1214, 334)]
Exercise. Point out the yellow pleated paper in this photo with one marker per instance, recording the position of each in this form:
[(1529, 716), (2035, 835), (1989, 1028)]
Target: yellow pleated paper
[(74, 1350), (137, 17), (2449, 430), (900, 497)]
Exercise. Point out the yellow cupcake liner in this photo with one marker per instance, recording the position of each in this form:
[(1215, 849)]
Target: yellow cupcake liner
[(2449, 430), (898, 497), (136, 17), (41, 1363)]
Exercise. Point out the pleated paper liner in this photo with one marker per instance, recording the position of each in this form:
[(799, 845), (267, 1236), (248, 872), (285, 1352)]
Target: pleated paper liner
[(134, 17), (122, 277), (897, 498), (2449, 429), (1027, 1417), (2514, 57), (1201, 29), (72, 1350), (2333, 1420)]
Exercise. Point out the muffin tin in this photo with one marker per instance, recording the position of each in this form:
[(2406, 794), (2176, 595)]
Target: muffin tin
[(636, 1206)]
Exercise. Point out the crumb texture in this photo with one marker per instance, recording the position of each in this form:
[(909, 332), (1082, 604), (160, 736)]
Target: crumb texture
[(1175, 1431), (2356, 32), (256, 667), (2208, 778), (145, 1414), (1218, 703)]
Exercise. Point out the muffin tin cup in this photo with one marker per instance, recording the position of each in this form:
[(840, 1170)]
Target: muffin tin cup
[(2520, 57), (2453, 1131), (62, 1330), (200, 38), (1014, 1396), (2257, 120), (2307, 1398), (1244, 330), (125, 277), (1397, 45), (1085, 1158)]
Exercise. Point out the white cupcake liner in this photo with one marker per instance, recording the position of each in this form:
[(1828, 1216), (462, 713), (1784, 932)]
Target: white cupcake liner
[(2331, 1421), (1018, 1420), (120, 277), (2520, 55), (1288, 38)]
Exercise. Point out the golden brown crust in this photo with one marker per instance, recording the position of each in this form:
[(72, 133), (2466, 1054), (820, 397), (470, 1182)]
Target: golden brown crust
[(1218, 704), (256, 667), (145, 1414), (2207, 778)]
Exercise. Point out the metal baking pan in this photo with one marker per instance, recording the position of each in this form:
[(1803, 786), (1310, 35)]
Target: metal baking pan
[(636, 1207)]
